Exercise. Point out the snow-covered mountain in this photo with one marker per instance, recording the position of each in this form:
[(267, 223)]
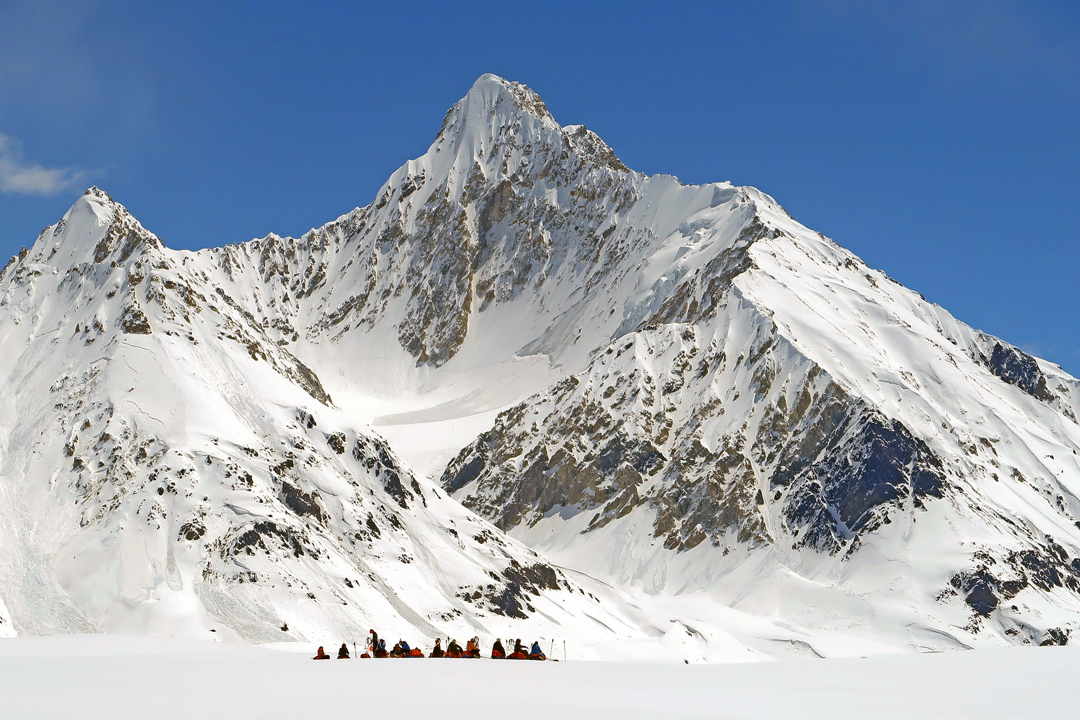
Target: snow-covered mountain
[(167, 467), (677, 389)]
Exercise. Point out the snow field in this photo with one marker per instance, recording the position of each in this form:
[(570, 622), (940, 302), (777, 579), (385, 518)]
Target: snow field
[(121, 677)]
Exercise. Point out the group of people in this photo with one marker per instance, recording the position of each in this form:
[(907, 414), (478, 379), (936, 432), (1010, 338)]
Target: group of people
[(376, 647)]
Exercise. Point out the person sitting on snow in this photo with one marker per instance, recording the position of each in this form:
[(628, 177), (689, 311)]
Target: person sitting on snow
[(472, 648), (321, 655), (397, 652), (380, 651), (498, 652), (519, 651), (343, 652), (405, 649), (437, 651), (453, 649), (535, 653)]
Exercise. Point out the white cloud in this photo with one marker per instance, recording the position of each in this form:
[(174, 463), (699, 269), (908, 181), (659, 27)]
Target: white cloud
[(23, 178)]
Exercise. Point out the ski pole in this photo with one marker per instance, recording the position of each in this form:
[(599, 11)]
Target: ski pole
[(564, 651)]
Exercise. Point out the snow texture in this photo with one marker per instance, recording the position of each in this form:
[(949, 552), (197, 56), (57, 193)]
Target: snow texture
[(122, 677)]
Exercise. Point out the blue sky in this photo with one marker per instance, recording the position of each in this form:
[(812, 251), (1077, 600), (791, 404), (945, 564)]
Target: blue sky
[(938, 140)]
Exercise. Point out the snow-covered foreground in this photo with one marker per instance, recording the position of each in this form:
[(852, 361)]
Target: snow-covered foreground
[(123, 676)]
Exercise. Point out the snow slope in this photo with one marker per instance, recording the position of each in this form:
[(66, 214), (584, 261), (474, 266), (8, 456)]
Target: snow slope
[(166, 468), (678, 390)]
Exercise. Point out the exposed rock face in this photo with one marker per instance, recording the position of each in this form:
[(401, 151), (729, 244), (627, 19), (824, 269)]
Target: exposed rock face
[(810, 464), (1019, 369)]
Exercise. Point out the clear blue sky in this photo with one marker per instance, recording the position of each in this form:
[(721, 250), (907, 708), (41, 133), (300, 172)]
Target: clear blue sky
[(938, 140)]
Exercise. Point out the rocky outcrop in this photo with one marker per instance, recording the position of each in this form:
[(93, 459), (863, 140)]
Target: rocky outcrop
[(809, 464)]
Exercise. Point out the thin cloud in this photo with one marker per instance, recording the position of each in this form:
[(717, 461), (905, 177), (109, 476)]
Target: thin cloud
[(1035, 349), (23, 178), (1005, 31)]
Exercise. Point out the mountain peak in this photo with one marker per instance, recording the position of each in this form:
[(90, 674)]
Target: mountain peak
[(97, 192), (499, 129), (91, 230), (95, 205), (493, 106), (494, 92)]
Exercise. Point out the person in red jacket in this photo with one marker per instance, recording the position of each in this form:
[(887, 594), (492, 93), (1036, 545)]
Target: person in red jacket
[(373, 642), (321, 655)]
